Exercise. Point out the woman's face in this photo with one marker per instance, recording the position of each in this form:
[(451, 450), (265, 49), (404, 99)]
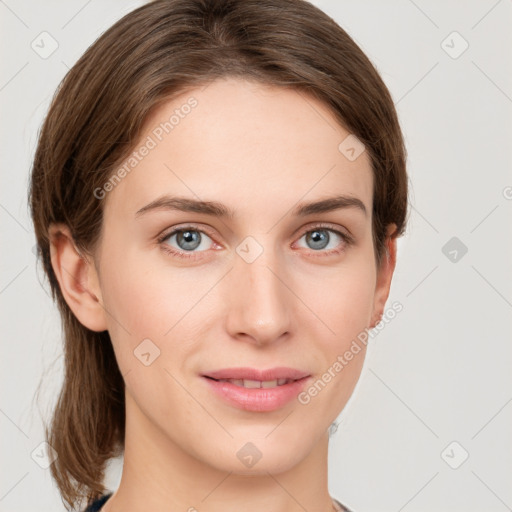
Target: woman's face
[(262, 289)]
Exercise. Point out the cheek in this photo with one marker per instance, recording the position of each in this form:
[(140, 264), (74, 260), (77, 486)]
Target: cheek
[(141, 303), (149, 300), (340, 334), (342, 300), (343, 304)]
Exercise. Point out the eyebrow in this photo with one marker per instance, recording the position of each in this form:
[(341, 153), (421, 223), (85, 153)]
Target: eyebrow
[(216, 209)]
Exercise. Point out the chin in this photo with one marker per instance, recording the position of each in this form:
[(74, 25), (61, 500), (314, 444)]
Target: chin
[(262, 456)]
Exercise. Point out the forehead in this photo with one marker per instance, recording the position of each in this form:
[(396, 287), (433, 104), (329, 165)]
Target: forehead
[(247, 145)]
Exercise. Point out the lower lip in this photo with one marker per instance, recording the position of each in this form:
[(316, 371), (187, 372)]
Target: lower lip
[(257, 399)]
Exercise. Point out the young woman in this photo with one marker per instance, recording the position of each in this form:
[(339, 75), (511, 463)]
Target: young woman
[(216, 193)]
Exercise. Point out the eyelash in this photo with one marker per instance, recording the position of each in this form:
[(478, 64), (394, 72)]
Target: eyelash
[(347, 240)]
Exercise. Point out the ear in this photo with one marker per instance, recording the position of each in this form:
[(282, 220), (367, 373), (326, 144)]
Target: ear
[(78, 279), (384, 275)]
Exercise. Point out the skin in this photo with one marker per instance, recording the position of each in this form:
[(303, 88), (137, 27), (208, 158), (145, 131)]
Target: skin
[(259, 150)]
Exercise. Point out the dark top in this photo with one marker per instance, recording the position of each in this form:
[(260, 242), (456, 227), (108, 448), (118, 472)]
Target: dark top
[(95, 506)]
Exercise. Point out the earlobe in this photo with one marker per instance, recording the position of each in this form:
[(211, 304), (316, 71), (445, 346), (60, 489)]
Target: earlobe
[(384, 276), (78, 279)]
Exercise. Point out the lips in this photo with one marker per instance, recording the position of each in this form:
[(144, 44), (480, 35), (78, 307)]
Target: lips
[(257, 390)]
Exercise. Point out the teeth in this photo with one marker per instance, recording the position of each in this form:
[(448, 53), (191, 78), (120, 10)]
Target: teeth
[(250, 384)]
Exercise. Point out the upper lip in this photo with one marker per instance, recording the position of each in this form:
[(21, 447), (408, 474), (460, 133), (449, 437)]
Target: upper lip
[(255, 374)]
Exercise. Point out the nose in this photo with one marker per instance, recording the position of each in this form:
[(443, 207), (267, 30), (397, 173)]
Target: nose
[(259, 303)]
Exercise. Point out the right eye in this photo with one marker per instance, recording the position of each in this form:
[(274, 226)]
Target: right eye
[(187, 238)]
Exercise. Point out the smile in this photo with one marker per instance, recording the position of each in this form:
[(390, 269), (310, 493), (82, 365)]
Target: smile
[(256, 395)]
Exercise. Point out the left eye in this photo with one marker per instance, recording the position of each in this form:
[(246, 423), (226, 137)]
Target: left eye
[(187, 239)]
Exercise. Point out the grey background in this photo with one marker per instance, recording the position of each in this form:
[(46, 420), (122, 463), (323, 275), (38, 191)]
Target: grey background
[(436, 374)]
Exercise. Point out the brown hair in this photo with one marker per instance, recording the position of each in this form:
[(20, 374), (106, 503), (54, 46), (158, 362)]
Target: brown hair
[(153, 53)]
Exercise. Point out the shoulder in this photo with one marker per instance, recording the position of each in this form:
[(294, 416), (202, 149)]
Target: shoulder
[(96, 505)]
